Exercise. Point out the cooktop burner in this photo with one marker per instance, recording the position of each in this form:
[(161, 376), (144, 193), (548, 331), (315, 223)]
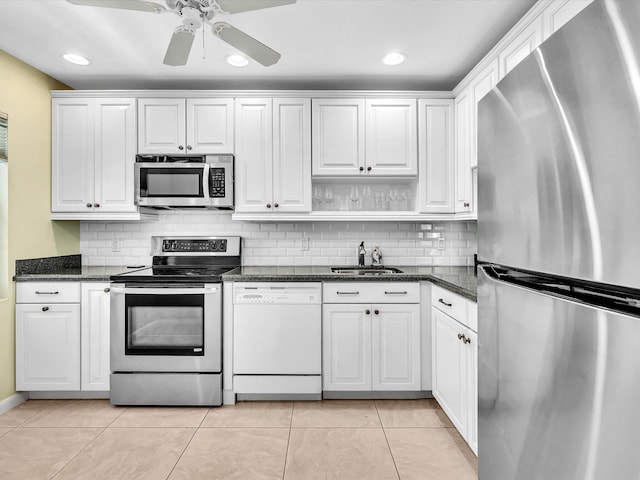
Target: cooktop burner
[(187, 260)]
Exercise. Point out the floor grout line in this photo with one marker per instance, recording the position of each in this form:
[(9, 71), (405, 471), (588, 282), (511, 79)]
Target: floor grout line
[(79, 451), (387, 440)]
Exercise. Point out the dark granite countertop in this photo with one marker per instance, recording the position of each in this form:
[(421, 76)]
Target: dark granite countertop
[(459, 280), (64, 268)]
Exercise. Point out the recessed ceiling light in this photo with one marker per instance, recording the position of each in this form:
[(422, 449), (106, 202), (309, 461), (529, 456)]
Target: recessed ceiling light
[(237, 60), (394, 58), (76, 59)]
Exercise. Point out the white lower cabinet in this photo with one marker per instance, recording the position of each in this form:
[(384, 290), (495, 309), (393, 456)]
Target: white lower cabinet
[(371, 346), (94, 344), (455, 369), (62, 336)]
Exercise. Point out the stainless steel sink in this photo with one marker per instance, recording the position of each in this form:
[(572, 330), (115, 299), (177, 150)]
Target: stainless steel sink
[(365, 270)]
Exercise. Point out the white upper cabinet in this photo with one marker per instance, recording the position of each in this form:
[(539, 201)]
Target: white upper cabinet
[(521, 46), (185, 126), (273, 155), (337, 136), (560, 12), (390, 139), (436, 156), (464, 135), (93, 151), (364, 137)]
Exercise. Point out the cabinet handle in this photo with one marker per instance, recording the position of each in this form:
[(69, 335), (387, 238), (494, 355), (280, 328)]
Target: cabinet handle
[(268, 205), (466, 339), (377, 312), (466, 204), (460, 336), (46, 293), (188, 147), (107, 290), (348, 293), (276, 205), (89, 205), (368, 312), (445, 303), (97, 205), (362, 169), (180, 147), (368, 169), (396, 293), (44, 309)]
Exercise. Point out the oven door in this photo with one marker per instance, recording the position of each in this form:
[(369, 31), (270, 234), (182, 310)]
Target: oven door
[(166, 329), (168, 185)]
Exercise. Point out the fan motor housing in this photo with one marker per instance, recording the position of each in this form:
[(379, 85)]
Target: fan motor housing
[(191, 17)]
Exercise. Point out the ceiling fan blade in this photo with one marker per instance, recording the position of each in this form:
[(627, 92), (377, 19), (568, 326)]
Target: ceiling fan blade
[(179, 47), (139, 5), (238, 6), (245, 43)]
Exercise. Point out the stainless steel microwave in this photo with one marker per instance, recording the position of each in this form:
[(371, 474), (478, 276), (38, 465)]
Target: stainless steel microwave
[(180, 181)]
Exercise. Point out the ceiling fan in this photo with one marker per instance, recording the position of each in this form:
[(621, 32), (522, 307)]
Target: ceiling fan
[(196, 12)]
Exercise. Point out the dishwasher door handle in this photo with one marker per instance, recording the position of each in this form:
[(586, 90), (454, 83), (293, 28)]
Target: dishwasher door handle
[(348, 293)]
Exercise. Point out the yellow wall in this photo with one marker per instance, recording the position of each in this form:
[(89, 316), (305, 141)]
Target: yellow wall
[(24, 96)]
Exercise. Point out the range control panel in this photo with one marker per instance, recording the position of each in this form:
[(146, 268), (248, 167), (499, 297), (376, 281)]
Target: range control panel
[(274, 295), (193, 245)]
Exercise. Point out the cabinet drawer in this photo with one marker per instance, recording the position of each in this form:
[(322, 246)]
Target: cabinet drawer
[(48, 292), (371, 292), (450, 303)]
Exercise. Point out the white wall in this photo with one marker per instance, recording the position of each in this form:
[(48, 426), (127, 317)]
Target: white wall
[(330, 243)]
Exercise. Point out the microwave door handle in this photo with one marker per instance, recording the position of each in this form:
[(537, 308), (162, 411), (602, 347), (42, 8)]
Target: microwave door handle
[(205, 181)]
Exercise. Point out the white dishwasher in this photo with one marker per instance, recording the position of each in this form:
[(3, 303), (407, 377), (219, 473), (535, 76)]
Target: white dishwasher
[(277, 340)]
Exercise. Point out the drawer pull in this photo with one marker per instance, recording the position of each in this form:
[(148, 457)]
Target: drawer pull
[(367, 312), (445, 303), (44, 309), (377, 312), (460, 336), (348, 293), (466, 340), (396, 293), (107, 290), (47, 293)]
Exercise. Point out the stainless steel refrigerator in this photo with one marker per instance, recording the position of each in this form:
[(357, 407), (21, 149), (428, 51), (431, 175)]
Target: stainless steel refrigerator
[(559, 242)]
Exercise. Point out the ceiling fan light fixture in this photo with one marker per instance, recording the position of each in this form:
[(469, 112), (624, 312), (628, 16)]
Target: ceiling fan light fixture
[(237, 60), (76, 59), (394, 58)]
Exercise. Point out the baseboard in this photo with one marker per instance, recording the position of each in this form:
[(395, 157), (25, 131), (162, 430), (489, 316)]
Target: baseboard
[(64, 395), (376, 395), (13, 401)]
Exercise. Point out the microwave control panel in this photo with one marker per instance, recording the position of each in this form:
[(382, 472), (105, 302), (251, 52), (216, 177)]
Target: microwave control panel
[(216, 182)]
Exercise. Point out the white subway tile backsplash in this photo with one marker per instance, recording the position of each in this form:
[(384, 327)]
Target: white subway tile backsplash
[(330, 243)]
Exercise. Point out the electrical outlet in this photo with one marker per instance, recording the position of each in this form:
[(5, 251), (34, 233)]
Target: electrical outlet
[(441, 244), (305, 244), (115, 245)]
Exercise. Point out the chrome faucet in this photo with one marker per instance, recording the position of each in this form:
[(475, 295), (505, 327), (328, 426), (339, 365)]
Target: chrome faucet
[(361, 254)]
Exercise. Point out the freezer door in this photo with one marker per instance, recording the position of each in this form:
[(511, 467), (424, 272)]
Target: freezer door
[(559, 153), (558, 394)]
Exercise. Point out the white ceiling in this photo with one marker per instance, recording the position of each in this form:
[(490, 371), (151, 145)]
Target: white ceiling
[(325, 44)]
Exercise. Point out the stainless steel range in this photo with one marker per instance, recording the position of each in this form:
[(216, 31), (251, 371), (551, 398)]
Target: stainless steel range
[(166, 324)]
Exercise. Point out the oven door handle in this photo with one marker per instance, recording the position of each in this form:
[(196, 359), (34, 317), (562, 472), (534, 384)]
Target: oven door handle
[(163, 291)]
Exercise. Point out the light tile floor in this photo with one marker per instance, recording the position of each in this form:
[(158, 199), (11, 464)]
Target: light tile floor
[(332, 439)]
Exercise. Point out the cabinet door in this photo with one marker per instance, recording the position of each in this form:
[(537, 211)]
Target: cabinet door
[(292, 155), (72, 155), (254, 155), (435, 148), (471, 390), (209, 125), (47, 346), (481, 85), (521, 46), (560, 12), (346, 349), (396, 346), (115, 150), (449, 367), (161, 125), (94, 351), (390, 139), (464, 110), (337, 136)]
